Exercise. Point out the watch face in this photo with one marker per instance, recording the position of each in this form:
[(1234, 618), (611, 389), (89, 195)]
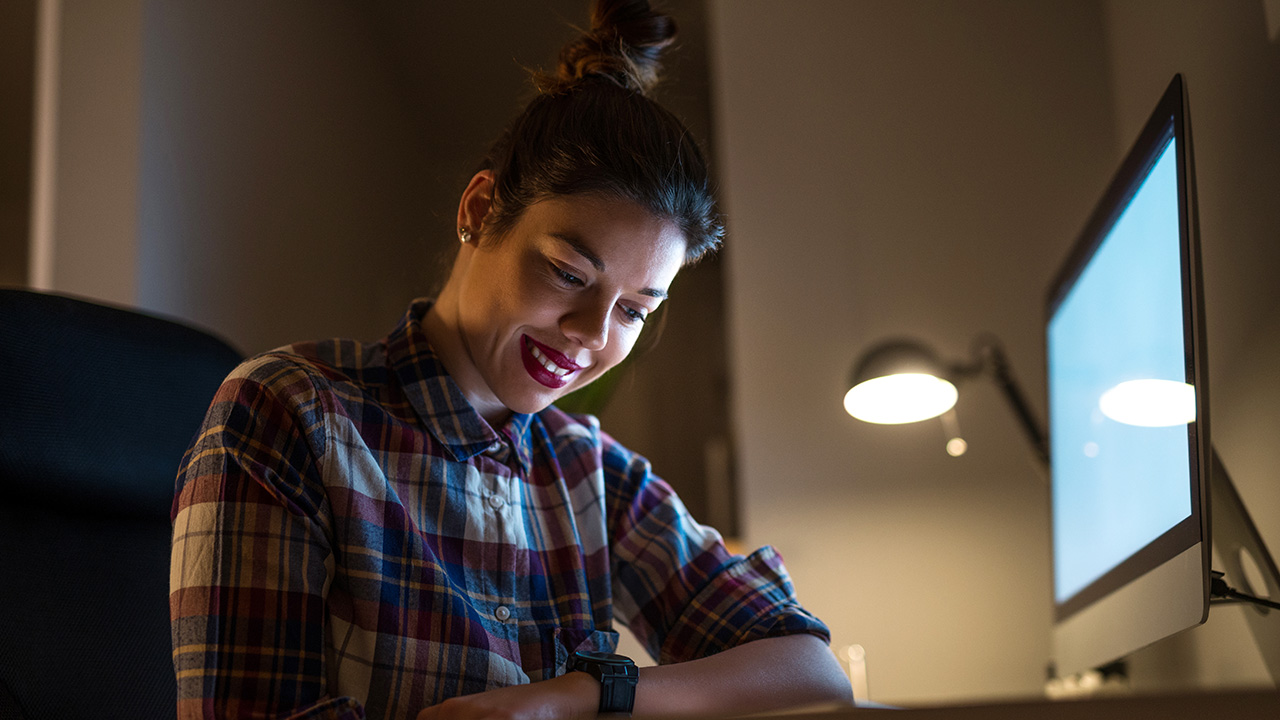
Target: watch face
[(604, 658)]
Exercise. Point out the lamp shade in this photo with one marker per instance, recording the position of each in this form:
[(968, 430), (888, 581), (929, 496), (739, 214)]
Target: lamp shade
[(899, 381)]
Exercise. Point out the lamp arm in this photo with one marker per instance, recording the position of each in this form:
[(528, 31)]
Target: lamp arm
[(992, 357)]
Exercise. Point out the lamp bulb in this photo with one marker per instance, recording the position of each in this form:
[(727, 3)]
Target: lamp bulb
[(901, 398)]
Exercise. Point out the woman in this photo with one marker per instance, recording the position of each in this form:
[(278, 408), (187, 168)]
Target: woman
[(410, 528)]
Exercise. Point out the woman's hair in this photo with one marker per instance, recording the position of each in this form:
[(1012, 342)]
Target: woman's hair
[(593, 129)]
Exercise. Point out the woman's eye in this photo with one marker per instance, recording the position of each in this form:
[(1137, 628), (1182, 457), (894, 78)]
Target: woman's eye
[(633, 314), (567, 278)]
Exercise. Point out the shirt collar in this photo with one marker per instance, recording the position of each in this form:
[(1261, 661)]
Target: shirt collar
[(439, 402)]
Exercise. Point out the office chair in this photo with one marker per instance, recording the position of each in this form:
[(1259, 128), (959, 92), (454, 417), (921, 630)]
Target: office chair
[(97, 405)]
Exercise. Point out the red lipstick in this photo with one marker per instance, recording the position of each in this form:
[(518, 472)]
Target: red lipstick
[(538, 371)]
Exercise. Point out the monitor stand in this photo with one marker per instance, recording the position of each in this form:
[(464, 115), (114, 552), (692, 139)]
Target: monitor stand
[(1248, 566)]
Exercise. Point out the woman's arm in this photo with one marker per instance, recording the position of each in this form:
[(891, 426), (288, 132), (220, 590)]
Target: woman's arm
[(251, 560), (759, 676), (762, 675)]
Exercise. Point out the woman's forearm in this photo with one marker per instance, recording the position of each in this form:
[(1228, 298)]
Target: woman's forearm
[(762, 675), (766, 674)]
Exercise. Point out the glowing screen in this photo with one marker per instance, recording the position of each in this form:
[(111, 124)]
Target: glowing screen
[(1120, 485)]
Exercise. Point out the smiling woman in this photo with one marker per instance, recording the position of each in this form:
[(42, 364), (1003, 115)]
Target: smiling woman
[(412, 528)]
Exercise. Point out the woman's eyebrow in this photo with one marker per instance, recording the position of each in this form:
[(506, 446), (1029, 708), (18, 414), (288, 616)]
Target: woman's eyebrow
[(581, 249), (597, 263)]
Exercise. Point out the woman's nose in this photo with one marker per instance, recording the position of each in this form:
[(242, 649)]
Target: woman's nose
[(588, 325)]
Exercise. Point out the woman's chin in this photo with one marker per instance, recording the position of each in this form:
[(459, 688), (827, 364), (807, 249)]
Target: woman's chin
[(534, 403), (533, 399)]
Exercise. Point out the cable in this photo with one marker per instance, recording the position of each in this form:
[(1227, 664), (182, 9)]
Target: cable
[(1224, 593)]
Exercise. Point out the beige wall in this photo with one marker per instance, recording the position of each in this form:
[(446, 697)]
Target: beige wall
[(281, 172), (92, 235), (249, 168), (921, 169)]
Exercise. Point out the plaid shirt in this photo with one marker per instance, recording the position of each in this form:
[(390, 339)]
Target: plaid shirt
[(352, 540)]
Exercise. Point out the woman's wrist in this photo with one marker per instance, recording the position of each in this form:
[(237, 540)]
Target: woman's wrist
[(572, 696), (582, 694)]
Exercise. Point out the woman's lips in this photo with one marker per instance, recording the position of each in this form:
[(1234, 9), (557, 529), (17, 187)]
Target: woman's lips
[(547, 366)]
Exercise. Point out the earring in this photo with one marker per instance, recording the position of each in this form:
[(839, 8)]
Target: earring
[(464, 234)]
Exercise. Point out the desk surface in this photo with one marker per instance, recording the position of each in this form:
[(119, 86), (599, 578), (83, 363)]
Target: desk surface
[(1243, 705)]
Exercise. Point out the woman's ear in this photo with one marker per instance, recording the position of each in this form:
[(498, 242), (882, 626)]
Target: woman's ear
[(476, 202)]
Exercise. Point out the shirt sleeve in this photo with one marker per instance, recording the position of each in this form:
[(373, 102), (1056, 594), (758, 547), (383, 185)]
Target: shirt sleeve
[(251, 563), (675, 585)]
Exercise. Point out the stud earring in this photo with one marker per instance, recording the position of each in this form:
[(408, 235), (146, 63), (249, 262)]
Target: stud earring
[(464, 234)]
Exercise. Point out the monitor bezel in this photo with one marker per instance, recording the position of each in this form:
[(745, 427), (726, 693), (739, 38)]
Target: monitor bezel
[(1170, 118)]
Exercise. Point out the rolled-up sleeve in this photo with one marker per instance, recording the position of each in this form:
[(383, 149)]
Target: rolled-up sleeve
[(676, 585), (251, 561)]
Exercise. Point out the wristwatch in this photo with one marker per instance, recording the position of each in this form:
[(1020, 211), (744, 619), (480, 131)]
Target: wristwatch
[(617, 675)]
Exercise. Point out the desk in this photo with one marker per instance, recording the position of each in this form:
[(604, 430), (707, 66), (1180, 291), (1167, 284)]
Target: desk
[(1243, 705)]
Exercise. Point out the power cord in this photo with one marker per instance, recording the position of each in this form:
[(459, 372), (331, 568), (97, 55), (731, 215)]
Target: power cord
[(1222, 593)]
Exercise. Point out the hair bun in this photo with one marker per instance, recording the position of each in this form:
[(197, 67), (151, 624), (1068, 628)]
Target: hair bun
[(623, 46)]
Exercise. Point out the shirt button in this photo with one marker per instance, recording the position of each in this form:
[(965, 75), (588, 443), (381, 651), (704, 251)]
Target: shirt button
[(502, 613), (496, 502)]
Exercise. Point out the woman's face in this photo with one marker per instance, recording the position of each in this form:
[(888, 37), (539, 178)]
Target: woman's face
[(561, 298)]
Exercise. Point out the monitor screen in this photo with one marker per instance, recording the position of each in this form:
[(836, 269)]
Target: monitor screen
[(1128, 434)]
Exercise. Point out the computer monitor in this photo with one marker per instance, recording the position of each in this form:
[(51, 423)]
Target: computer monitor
[(1128, 409)]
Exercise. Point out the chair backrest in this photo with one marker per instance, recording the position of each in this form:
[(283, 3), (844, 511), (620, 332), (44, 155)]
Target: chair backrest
[(97, 405)]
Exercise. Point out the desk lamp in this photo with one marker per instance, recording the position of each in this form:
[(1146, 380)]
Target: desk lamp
[(902, 381)]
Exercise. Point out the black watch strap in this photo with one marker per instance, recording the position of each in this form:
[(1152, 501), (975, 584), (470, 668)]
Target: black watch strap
[(617, 674)]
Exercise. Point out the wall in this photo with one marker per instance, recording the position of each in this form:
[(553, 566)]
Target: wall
[(199, 167), (280, 185), (903, 168), (88, 243)]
